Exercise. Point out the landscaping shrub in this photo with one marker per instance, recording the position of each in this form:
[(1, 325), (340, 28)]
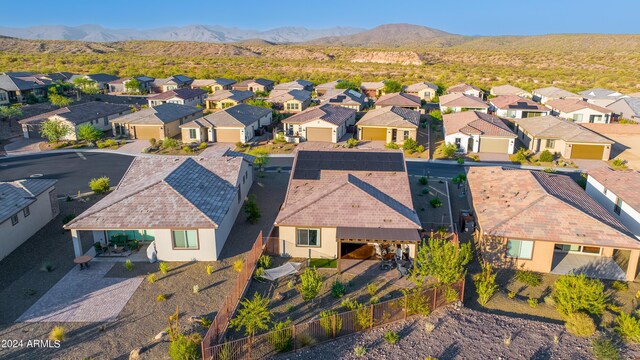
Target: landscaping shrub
[(352, 142), (100, 185), (202, 146), (310, 284), (604, 348), (238, 265), (88, 132), (359, 350), (338, 289), (528, 277), (420, 149), (161, 297), (441, 259), (429, 327), (252, 210), (350, 304), (363, 317), (423, 180), (460, 160), (186, 149), (391, 145), (451, 295), (417, 303), (573, 293), (617, 162), (448, 150), (254, 315), (374, 300), (128, 264), (329, 323), (205, 323), (185, 347), (410, 145), (546, 156), (110, 143), (372, 289), (533, 302), (391, 337), (620, 286), (151, 278), (163, 267), (436, 202), (628, 327), (170, 143), (549, 300), (511, 294), (281, 336), (209, 269), (57, 333), (258, 273), (425, 191), (485, 283), (521, 155), (195, 289), (152, 142), (265, 261), (580, 324)]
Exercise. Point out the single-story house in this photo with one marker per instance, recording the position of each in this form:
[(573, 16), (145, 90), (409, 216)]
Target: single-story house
[(544, 95), (580, 111), (626, 108), (171, 83), (182, 96), (159, 122), (235, 124), (372, 89), (423, 90), (223, 99), (565, 137), (459, 102), (390, 124), (4, 97), (295, 85), (184, 206), (516, 107), (213, 85), (344, 97), (322, 89), (260, 84), (63, 76), (100, 81), (601, 97), (17, 89), (97, 113), (503, 90), (290, 101), (546, 223), (120, 85), (474, 131), (25, 207), (619, 193), (467, 90), (342, 203), (403, 100), (319, 123)]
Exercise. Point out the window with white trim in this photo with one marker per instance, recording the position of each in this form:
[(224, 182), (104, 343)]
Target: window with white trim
[(26, 211), (308, 237), (520, 249), (185, 239), (14, 219)]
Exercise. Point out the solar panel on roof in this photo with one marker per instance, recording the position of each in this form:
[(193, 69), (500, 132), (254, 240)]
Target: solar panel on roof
[(310, 163)]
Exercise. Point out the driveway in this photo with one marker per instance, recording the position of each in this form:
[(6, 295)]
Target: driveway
[(134, 147), (21, 145)]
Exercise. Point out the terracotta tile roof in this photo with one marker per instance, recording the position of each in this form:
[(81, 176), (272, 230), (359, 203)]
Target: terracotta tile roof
[(508, 90), (241, 115), (556, 128), (332, 114), (571, 105), (159, 115), (183, 93), (343, 97), (391, 116), (514, 102), (329, 85), (522, 204), (420, 86), (280, 96), (460, 88), (16, 195), (78, 114), (237, 95), (555, 93), (625, 184), (166, 192), (398, 99), (600, 93), (477, 123), (462, 100), (372, 85), (350, 198)]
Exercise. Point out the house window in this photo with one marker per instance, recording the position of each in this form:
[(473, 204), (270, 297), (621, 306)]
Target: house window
[(239, 194), (292, 106), (14, 219), (26, 212), (618, 206), (105, 121), (140, 235), (595, 118), (308, 237), (577, 117), (520, 249), (511, 113), (405, 135), (458, 141), (551, 144), (3, 97), (192, 133), (185, 239)]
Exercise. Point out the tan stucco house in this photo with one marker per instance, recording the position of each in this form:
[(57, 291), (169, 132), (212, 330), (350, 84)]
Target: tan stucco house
[(547, 223), (182, 96), (423, 90), (223, 99), (290, 101), (260, 84), (543, 95), (458, 102), (473, 131), (159, 122), (580, 111), (390, 124), (213, 85), (403, 100), (319, 123), (322, 89), (372, 89), (516, 107), (232, 125), (502, 90), (171, 83), (344, 97), (466, 89)]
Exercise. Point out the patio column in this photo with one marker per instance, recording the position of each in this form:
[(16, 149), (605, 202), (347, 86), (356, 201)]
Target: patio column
[(632, 268), (77, 244), (339, 256)]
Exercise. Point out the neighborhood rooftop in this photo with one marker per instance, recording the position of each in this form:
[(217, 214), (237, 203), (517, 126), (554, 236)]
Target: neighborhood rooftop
[(625, 184), (552, 127), (571, 105), (333, 114), (475, 122), (554, 92), (241, 115), (237, 95), (398, 99), (17, 195), (462, 100), (160, 114), (80, 113), (184, 93), (391, 116), (506, 102)]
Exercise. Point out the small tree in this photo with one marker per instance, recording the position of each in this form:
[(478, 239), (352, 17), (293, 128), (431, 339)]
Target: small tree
[(436, 114), (546, 156), (391, 86), (347, 85), (252, 210), (132, 86), (260, 103), (574, 293), (330, 323), (410, 145), (448, 150), (88, 132), (59, 100), (310, 283), (441, 259), (485, 283), (86, 86), (100, 185), (261, 158), (53, 130), (254, 315), (10, 112)]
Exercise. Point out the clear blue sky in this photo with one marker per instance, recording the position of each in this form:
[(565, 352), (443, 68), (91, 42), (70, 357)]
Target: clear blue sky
[(457, 16)]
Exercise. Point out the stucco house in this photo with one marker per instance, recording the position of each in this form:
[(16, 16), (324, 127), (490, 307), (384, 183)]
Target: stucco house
[(601, 97), (183, 96), (120, 85), (159, 122), (290, 101), (234, 124), (373, 89), (403, 100), (423, 90), (319, 123), (474, 131), (467, 90), (213, 85), (342, 203), (543, 95), (626, 108), (96, 113), (25, 207), (459, 102), (223, 99), (184, 206), (295, 85), (4, 97), (344, 97), (516, 107), (619, 193), (390, 124), (100, 80), (580, 111), (260, 84), (508, 90), (322, 89), (545, 222), (564, 137), (171, 83), (17, 89)]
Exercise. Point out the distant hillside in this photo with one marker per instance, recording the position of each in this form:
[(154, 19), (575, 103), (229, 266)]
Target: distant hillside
[(391, 35)]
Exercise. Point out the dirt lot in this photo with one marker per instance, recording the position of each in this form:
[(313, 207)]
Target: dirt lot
[(422, 195)]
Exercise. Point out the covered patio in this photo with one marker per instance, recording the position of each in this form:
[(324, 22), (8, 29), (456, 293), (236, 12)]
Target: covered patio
[(590, 265)]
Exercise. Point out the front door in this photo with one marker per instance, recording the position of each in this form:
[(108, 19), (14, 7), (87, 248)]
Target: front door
[(470, 145), (394, 135)]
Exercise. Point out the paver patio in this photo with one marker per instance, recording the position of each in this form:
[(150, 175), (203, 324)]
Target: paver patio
[(591, 266), (84, 296)]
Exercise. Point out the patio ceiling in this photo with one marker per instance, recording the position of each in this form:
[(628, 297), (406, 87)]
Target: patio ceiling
[(360, 234)]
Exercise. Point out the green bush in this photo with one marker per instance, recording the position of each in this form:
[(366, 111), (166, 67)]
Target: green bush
[(359, 350), (185, 347), (152, 142), (163, 267), (310, 284), (574, 293), (423, 181), (448, 150), (330, 324), (617, 162), (604, 348), (252, 210), (391, 145), (620, 286), (417, 303), (265, 261), (151, 278), (628, 327), (511, 294), (372, 289), (186, 149), (528, 277), (128, 264), (424, 191), (460, 160), (533, 302), (338, 289), (161, 297), (363, 317), (521, 155), (57, 333), (485, 283), (436, 202), (281, 336), (170, 143), (209, 269), (580, 324), (258, 273), (546, 156), (391, 337), (202, 145), (350, 304), (100, 185), (410, 145), (352, 142)]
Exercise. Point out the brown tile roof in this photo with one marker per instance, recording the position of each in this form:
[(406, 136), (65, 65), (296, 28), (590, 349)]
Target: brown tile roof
[(420, 86), (625, 184), (555, 93), (183, 93), (553, 127), (460, 88), (398, 99), (333, 114), (372, 85), (280, 96), (80, 113), (462, 100), (516, 102), (237, 95), (571, 105), (475, 122), (391, 116), (508, 90), (522, 204)]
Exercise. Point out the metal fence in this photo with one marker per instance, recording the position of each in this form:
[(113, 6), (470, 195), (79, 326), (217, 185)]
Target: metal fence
[(315, 332)]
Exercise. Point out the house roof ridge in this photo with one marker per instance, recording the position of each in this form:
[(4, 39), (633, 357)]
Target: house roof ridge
[(313, 200)]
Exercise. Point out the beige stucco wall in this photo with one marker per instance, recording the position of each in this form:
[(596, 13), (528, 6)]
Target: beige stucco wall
[(328, 245), (4, 97), (199, 134), (300, 129)]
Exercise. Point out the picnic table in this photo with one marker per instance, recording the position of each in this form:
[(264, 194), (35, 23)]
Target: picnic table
[(83, 261)]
